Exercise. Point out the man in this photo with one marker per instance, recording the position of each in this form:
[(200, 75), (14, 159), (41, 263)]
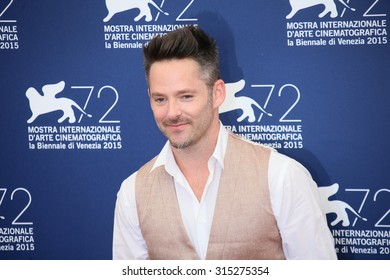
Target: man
[(210, 194)]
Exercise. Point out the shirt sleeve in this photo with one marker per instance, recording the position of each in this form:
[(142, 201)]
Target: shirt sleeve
[(128, 242), (295, 201)]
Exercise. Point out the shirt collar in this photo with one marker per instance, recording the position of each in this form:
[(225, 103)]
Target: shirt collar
[(167, 159)]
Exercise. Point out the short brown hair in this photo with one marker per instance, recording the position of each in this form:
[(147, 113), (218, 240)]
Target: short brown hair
[(187, 42)]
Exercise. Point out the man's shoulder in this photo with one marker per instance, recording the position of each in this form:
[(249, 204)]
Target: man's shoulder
[(244, 143), (283, 166), (147, 167)]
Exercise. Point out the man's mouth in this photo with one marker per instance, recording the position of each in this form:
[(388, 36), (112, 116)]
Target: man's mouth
[(176, 123)]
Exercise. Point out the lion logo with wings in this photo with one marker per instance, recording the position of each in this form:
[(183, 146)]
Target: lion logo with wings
[(48, 102), (337, 207)]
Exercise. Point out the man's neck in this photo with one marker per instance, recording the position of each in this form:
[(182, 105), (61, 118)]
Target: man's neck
[(193, 161)]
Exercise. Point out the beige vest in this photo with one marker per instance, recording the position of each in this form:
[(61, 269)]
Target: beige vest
[(243, 226)]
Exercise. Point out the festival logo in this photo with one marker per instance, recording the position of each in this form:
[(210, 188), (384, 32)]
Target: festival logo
[(330, 7), (250, 105), (352, 231), (48, 102), (57, 122), (341, 23), (337, 207), (243, 103), (130, 24), (9, 39), (117, 6), (16, 227)]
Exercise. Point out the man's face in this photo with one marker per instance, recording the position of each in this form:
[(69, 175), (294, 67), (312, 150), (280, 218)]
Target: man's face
[(180, 101)]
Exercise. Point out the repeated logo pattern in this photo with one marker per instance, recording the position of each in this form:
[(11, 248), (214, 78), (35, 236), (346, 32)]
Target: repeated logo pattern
[(118, 6), (48, 102)]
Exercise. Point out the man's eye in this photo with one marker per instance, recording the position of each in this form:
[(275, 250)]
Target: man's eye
[(187, 97), (159, 100)]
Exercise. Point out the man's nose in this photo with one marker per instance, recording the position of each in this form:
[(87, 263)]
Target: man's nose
[(173, 109)]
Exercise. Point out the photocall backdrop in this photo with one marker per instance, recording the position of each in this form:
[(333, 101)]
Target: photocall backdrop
[(311, 80)]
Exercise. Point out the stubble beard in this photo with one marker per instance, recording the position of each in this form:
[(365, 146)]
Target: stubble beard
[(194, 135), (197, 132), (177, 144)]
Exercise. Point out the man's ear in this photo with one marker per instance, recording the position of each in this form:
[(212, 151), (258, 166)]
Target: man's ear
[(219, 93)]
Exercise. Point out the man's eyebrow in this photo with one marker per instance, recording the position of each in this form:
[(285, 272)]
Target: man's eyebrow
[(156, 94), (179, 92), (184, 91)]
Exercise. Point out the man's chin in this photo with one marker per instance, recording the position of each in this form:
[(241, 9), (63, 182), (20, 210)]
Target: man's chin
[(180, 145)]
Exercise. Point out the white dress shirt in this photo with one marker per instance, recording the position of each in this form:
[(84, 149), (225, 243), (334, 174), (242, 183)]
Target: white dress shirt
[(294, 199)]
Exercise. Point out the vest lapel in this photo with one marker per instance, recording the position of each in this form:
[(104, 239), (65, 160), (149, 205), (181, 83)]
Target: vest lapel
[(224, 203), (173, 217)]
